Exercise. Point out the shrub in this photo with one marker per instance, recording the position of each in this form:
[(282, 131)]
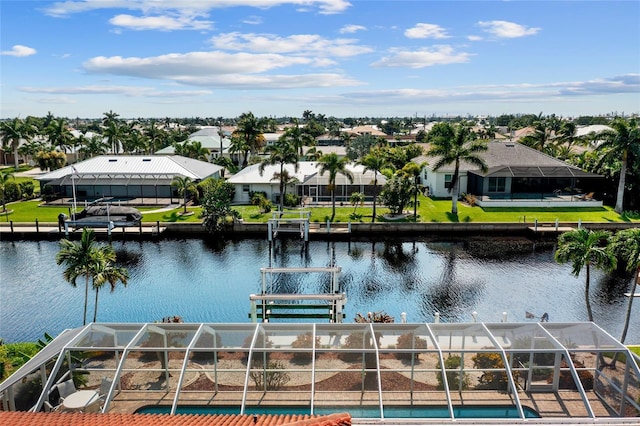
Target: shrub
[(455, 379), (304, 341), (27, 189), (409, 341), (272, 379), (12, 192), (291, 200), (496, 380), (256, 196)]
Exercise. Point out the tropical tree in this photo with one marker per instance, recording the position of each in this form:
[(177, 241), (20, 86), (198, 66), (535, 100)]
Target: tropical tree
[(4, 179), (114, 130), (541, 136), (59, 134), (626, 246), (397, 192), (249, 130), (356, 200), (90, 147), (454, 146), (585, 248), (12, 132), (298, 136), (106, 272), (413, 171), (216, 204), (620, 143), (184, 185), (375, 161), (81, 260), (282, 152), (334, 165)]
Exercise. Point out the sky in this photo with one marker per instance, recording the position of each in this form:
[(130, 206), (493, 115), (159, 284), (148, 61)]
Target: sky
[(341, 58)]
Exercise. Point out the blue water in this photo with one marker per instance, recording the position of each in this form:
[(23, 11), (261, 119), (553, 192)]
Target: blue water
[(211, 282), (413, 411)]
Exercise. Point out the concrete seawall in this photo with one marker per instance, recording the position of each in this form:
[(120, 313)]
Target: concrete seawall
[(51, 231)]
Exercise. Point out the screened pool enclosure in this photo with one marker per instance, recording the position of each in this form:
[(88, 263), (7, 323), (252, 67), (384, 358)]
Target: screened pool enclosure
[(553, 370)]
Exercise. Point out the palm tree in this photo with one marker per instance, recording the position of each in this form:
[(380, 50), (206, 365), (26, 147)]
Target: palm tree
[(90, 147), (333, 164), (541, 136), (80, 260), (585, 248), (618, 144), (413, 171), (375, 161), (298, 137), (4, 179), (59, 134), (184, 185), (12, 132), (454, 145), (626, 245), (106, 272), (114, 131), (250, 131), (284, 151)]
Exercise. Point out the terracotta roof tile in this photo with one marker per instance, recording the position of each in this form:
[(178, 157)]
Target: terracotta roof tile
[(21, 418)]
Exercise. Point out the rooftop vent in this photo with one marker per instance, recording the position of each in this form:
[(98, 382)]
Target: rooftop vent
[(146, 159), (510, 145), (113, 160)]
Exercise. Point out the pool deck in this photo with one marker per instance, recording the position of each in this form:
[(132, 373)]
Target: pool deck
[(562, 404)]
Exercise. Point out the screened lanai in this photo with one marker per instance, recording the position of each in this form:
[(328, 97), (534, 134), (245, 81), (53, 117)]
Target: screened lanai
[(445, 371)]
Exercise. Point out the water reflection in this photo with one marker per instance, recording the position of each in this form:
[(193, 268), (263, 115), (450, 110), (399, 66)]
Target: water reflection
[(208, 280)]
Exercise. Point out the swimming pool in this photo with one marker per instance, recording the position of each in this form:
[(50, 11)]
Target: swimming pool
[(409, 411)]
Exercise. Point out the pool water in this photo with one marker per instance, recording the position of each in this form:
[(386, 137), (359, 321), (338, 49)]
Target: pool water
[(460, 412)]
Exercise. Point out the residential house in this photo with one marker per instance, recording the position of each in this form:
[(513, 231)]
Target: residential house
[(144, 177), (516, 175)]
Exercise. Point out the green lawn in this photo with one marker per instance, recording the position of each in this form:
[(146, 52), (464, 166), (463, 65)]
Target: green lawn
[(429, 211)]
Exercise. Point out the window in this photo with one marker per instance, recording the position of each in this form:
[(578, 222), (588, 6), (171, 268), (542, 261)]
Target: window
[(497, 184), (447, 181), (246, 188)]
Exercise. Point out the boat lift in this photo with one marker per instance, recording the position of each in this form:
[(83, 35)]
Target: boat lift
[(327, 306), (280, 223)]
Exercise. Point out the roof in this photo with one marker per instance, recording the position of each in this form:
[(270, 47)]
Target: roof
[(251, 174), (308, 174), (136, 165), (209, 138), (593, 128), (114, 419), (501, 155)]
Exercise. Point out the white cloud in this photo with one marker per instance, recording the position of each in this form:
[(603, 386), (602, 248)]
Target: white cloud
[(505, 29), (162, 23), (218, 69), (523, 92), (19, 51), (68, 7), (421, 58), (350, 29), (422, 30), (474, 38), (298, 44), (252, 20), (129, 91)]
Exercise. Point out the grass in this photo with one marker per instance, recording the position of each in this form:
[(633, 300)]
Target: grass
[(428, 211)]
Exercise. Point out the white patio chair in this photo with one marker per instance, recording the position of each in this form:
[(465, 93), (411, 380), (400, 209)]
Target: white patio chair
[(65, 389)]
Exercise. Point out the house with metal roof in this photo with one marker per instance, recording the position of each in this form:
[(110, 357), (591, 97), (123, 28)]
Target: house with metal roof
[(517, 176), (216, 140), (147, 178)]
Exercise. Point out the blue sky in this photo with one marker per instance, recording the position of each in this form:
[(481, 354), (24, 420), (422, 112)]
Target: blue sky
[(343, 58)]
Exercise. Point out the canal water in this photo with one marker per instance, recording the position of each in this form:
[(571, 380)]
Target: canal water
[(203, 281)]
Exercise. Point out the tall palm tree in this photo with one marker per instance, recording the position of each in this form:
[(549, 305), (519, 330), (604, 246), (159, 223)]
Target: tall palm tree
[(250, 131), (184, 185), (298, 137), (282, 152), (80, 260), (375, 161), (12, 132), (334, 165), (90, 147), (454, 146), (59, 134), (585, 248), (4, 179), (541, 136), (106, 272), (618, 143), (626, 245), (114, 131), (413, 170)]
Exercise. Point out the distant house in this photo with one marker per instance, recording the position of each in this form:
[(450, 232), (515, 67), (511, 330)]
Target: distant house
[(209, 138), (144, 177), (309, 183), (516, 175)]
